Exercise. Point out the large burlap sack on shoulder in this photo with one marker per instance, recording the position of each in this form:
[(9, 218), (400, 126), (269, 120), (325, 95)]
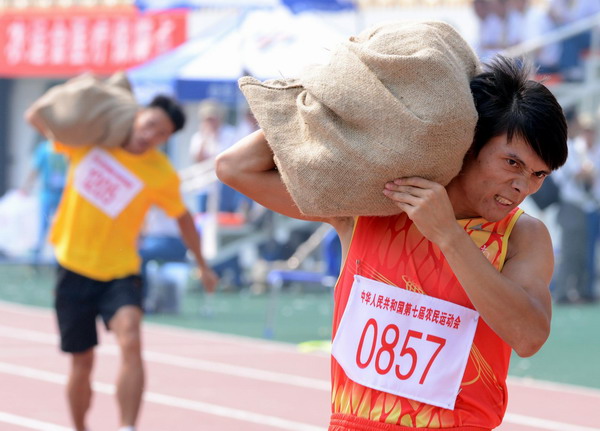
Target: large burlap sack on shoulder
[(88, 111), (393, 102)]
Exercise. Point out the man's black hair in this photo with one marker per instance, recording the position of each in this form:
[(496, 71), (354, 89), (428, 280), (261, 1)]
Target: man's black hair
[(507, 101), (171, 108)]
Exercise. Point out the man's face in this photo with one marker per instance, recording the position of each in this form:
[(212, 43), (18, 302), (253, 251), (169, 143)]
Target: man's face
[(152, 128), (498, 179), (210, 125)]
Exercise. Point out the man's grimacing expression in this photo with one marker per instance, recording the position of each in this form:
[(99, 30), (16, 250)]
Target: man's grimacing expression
[(152, 128), (501, 176)]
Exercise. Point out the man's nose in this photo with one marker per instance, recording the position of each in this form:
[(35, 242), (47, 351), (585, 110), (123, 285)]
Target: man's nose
[(521, 184)]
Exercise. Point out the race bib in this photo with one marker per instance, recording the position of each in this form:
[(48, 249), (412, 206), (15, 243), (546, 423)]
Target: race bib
[(105, 183), (404, 343)]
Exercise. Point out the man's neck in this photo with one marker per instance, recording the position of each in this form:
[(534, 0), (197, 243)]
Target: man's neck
[(459, 203)]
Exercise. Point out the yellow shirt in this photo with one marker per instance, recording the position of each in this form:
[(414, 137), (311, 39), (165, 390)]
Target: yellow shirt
[(107, 195)]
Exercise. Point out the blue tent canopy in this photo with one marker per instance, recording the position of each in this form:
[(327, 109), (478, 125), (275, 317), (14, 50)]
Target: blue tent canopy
[(296, 6), (263, 43), (160, 75)]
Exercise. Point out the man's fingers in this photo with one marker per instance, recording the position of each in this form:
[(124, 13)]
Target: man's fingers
[(401, 197), (419, 182), (408, 190)]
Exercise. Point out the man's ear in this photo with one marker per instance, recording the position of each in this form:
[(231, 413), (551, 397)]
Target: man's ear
[(469, 155)]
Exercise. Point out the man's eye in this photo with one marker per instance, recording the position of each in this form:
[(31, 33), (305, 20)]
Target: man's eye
[(511, 162), (540, 175)]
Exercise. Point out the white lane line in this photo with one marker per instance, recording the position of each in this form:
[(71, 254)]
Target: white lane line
[(183, 362), (544, 423), (233, 370), (156, 328), (28, 334), (29, 310), (168, 400), (33, 424), (528, 382)]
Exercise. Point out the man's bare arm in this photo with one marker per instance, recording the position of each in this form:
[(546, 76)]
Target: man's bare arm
[(515, 302), (191, 239), (248, 167)]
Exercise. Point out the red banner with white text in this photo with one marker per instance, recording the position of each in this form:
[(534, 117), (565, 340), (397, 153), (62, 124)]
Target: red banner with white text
[(45, 44)]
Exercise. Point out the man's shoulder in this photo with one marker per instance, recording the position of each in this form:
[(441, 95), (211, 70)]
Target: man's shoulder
[(153, 167), (529, 224), (162, 166), (529, 233), (161, 157), (155, 160)]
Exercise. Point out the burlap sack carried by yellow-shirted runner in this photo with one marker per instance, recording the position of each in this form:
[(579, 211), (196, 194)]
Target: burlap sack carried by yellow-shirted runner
[(392, 102), (88, 111)]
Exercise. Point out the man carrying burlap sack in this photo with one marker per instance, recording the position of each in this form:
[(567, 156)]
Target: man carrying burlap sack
[(431, 300), (113, 180)]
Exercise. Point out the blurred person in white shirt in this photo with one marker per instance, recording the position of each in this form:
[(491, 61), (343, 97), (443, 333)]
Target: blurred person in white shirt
[(526, 22), (214, 135), (579, 214), (492, 16)]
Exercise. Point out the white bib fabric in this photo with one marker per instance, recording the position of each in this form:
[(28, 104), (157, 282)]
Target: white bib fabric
[(404, 343), (105, 183)]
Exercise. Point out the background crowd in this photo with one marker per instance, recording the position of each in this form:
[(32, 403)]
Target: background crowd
[(506, 23)]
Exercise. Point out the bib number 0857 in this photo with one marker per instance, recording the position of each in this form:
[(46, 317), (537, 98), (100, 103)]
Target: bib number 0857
[(383, 350)]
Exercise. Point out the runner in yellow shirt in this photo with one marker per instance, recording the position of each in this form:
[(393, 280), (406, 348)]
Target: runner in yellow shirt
[(95, 234)]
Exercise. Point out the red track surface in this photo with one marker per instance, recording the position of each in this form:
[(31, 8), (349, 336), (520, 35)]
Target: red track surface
[(207, 381)]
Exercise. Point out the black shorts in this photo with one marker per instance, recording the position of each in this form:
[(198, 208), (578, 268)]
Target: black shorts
[(79, 300)]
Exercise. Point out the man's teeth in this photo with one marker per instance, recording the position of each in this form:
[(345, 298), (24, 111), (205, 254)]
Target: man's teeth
[(503, 201)]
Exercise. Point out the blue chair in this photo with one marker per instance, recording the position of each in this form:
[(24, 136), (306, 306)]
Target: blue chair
[(331, 251)]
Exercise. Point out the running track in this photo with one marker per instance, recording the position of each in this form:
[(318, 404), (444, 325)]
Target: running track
[(207, 381)]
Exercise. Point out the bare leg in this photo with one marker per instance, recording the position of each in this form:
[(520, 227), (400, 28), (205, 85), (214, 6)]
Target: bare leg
[(79, 387), (130, 382)]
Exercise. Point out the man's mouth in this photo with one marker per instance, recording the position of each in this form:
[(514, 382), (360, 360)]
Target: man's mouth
[(503, 201)]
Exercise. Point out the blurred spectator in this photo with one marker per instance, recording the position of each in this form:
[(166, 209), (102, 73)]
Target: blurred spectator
[(50, 168), (526, 22), (213, 133), (492, 17), (160, 241), (566, 12), (213, 136), (578, 214), (517, 19), (547, 57), (247, 124)]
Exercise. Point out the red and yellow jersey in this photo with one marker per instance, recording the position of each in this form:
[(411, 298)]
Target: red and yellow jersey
[(393, 251), (104, 203)]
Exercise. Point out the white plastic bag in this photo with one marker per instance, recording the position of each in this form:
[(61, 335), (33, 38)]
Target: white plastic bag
[(19, 223)]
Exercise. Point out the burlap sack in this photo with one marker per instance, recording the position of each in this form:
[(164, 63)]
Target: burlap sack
[(87, 110), (392, 102)]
